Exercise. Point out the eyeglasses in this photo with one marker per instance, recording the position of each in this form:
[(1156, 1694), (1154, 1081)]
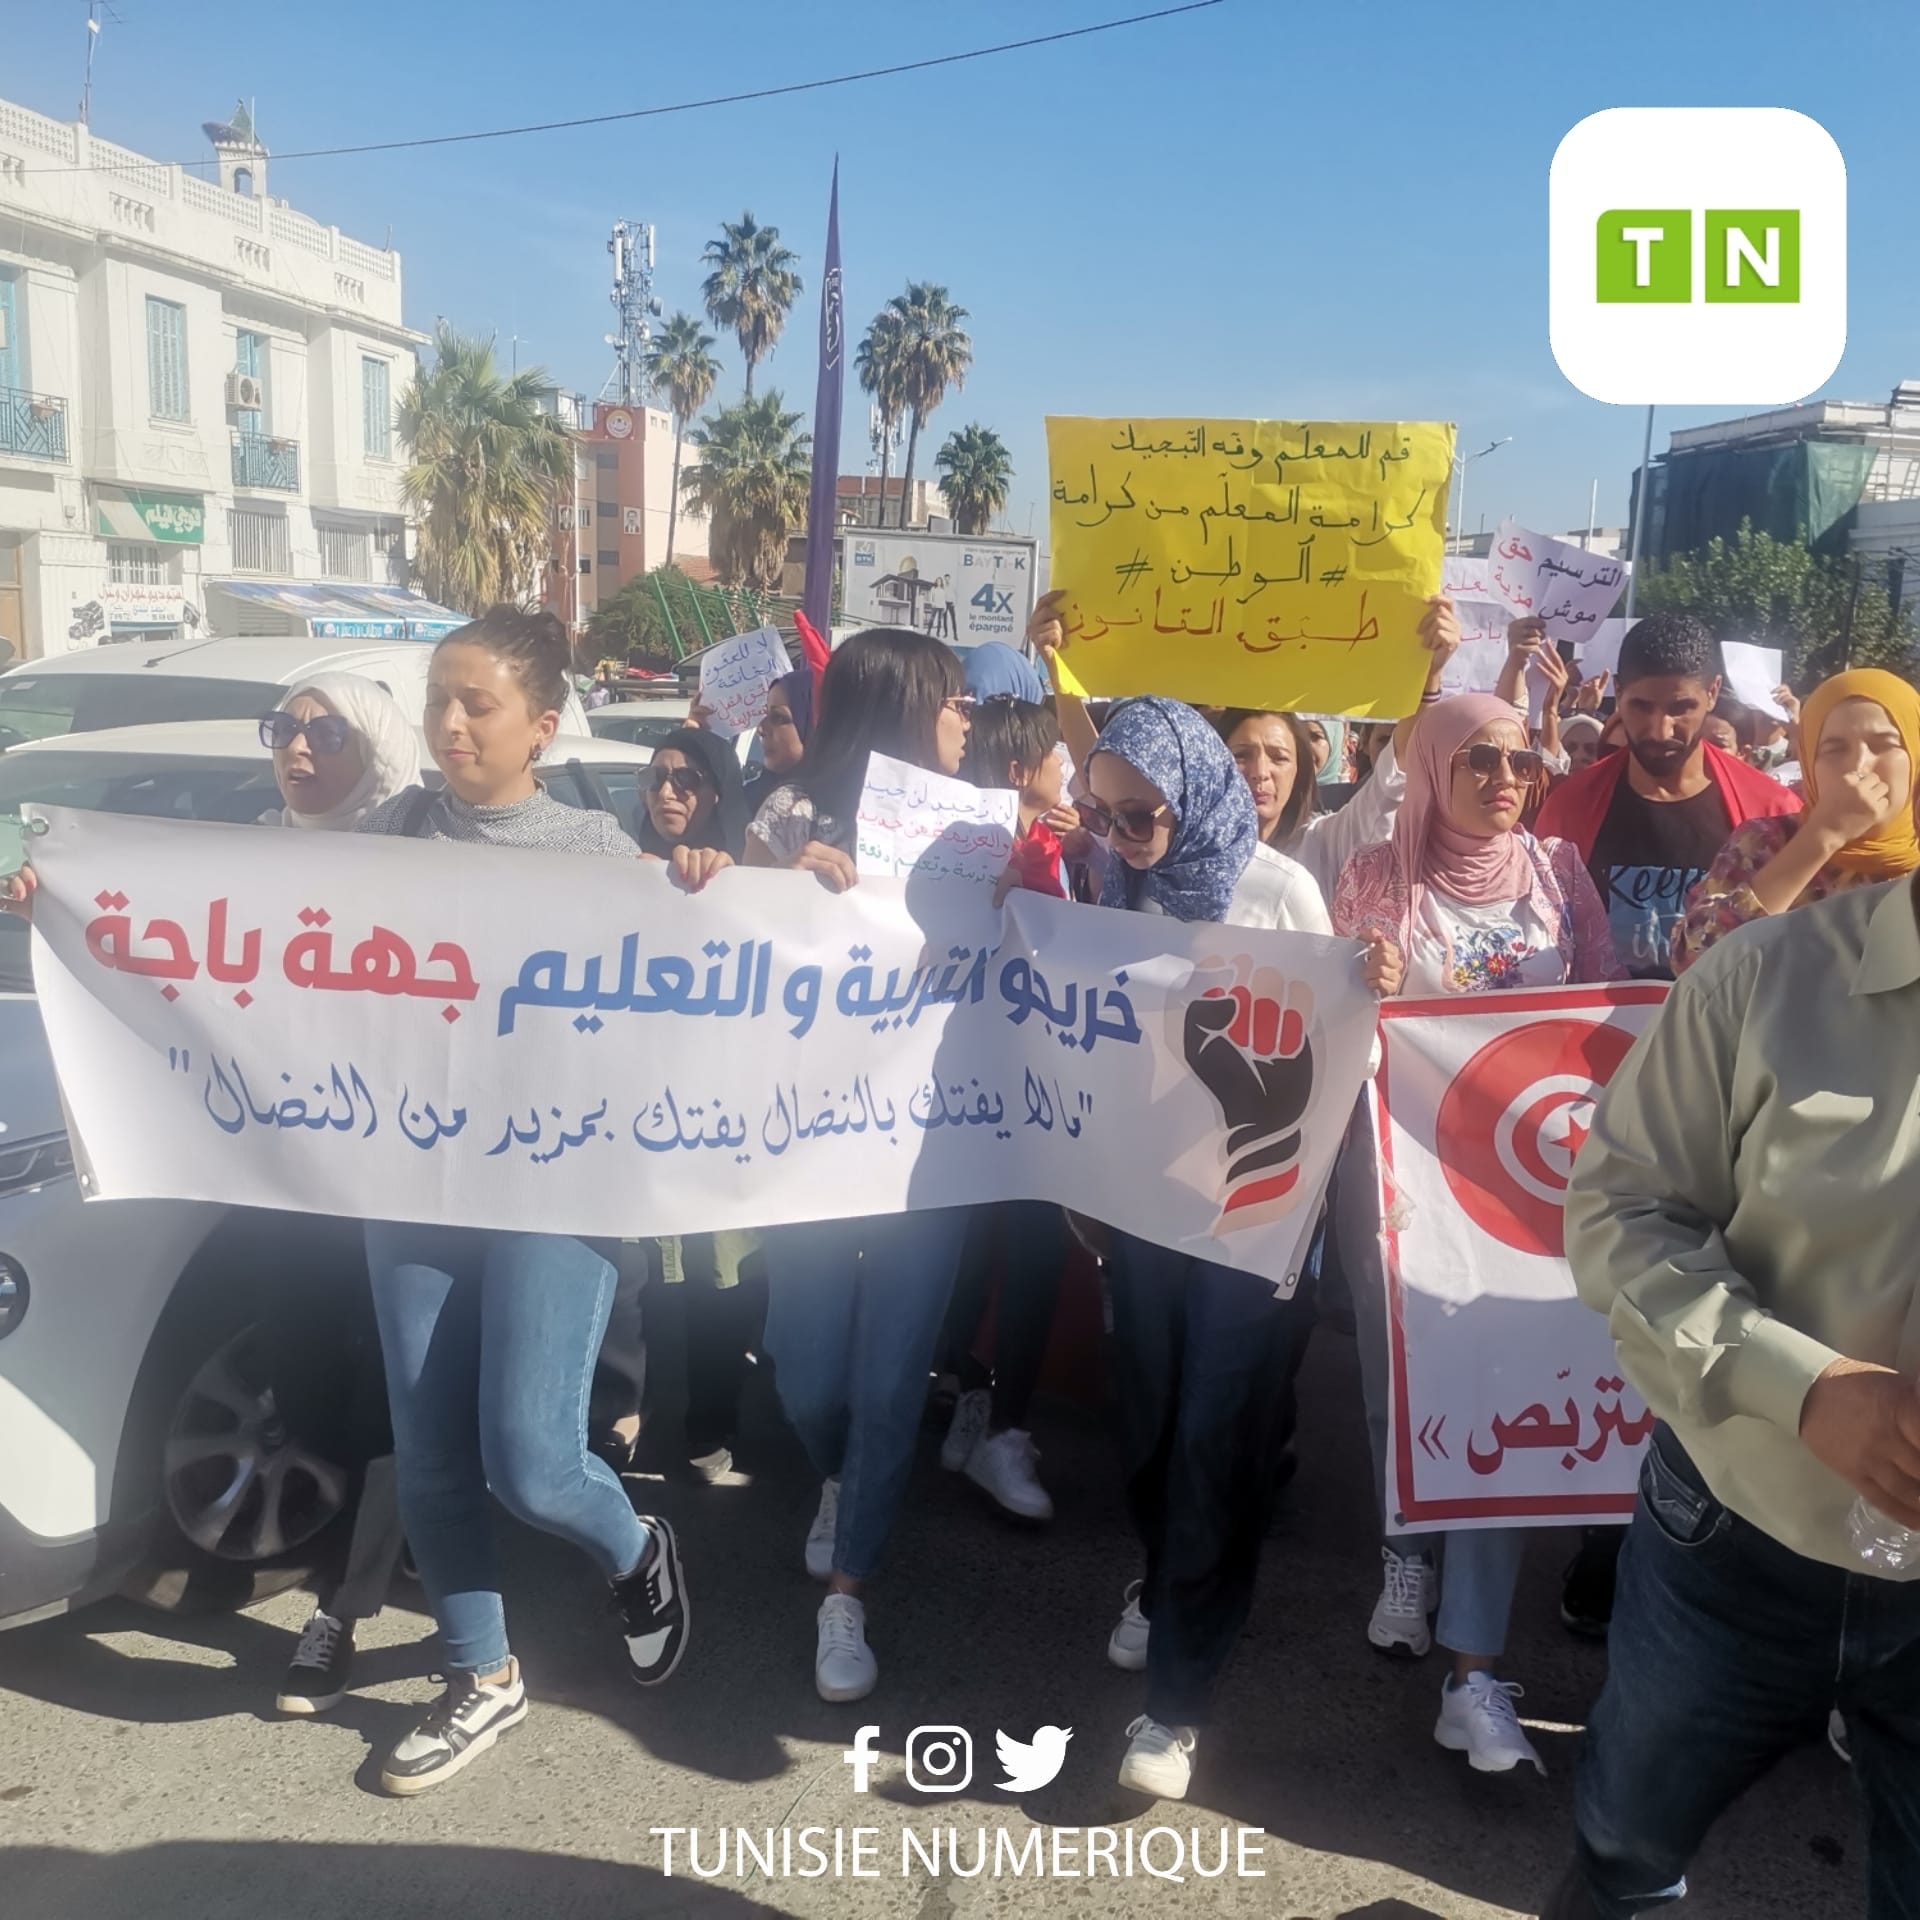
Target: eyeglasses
[(1485, 761), (1129, 823), (683, 779), (961, 703), (325, 732)]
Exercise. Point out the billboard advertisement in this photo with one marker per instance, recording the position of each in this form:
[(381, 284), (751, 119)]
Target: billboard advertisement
[(960, 588)]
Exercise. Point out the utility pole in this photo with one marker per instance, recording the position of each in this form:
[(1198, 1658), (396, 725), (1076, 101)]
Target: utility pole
[(1642, 499), (93, 36)]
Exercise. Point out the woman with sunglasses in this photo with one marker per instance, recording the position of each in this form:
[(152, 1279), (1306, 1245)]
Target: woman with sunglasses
[(1201, 1351), (1473, 903), (855, 1307)]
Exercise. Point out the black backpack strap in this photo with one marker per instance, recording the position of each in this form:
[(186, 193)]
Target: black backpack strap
[(414, 823)]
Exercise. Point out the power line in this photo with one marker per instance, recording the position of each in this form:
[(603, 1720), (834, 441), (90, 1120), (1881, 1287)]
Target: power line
[(726, 99)]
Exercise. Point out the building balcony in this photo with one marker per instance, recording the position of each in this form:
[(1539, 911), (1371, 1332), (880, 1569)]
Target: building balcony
[(260, 460), (33, 425)]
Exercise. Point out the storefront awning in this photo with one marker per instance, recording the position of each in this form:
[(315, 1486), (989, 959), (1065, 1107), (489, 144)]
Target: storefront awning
[(325, 610)]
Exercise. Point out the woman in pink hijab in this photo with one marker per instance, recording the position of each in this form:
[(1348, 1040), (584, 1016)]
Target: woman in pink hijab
[(1473, 903)]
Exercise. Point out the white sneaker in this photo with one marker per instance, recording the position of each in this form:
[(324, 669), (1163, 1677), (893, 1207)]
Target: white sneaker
[(1408, 1595), (1127, 1644), (971, 1413), (1478, 1719), (1160, 1760), (843, 1665), (1001, 1466), (820, 1534)]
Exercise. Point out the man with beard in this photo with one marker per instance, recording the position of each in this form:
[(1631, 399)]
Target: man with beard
[(1649, 821)]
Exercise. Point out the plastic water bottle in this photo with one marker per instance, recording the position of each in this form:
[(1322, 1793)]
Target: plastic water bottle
[(1885, 1545)]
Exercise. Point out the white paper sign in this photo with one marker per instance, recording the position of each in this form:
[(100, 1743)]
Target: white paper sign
[(924, 823), (349, 1024), (735, 677), (1752, 674), (1569, 587), (1506, 1402), (1476, 666), (1601, 654)]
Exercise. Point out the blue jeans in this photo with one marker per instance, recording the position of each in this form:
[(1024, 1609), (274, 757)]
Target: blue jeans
[(854, 1311), (1201, 1371), (1479, 1569), (490, 1341), (1727, 1651)]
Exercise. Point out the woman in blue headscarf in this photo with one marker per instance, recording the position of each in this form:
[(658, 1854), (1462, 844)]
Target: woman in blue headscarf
[(1201, 1351)]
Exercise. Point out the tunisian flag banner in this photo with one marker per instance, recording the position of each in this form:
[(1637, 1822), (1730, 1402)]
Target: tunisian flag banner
[(1506, 1404), (390, 1030)]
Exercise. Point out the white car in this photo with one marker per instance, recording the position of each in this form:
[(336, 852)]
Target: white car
[(648, 720), (142, 1446), (132, 683)]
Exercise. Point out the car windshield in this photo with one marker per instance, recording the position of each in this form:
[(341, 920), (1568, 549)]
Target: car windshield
[(39, 706), (175, 788)]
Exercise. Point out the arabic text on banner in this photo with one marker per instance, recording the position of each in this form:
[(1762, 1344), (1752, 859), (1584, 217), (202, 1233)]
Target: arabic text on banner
[(353, 1026), (1506, 1403), (1260, 563), (736, 674), (1570, 588)]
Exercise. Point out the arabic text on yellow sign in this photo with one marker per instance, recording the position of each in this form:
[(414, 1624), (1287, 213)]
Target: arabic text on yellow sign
[(1261, 563)]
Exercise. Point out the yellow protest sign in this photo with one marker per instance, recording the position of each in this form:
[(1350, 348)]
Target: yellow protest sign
[(1259, 563)]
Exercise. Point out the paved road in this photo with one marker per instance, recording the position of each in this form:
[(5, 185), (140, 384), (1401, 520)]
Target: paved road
[(142, 1773)]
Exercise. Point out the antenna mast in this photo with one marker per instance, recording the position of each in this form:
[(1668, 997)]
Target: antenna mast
[(635, 310)]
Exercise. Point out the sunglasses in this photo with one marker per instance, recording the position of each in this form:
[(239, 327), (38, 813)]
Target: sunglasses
[(1129, 823), (1485, 761), (683, 779), (325, 732)]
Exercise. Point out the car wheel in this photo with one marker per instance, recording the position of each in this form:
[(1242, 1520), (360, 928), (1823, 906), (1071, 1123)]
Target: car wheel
[(245, 1508)]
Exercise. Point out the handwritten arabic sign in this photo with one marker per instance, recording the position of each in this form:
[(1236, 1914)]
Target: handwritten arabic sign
[(923, 823), (352, 1026), (1267, 563), (1568, 587), (1506, 1403), (735, 676)]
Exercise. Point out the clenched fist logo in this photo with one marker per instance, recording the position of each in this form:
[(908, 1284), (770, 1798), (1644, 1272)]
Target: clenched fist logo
[(1250, 1044)]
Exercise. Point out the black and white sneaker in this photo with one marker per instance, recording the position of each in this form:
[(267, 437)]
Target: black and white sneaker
[(322, 1668), (652, 1601), (466, 1720)]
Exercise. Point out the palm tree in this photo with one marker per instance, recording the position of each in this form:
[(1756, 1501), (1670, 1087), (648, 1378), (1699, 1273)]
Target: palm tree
[(935, 354), (752, 286), (752, 481), (976, 473), (485, 466), (883, 374), (681, 364)]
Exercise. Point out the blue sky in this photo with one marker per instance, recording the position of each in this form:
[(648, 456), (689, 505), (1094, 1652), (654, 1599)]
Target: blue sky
[(1264, 209)]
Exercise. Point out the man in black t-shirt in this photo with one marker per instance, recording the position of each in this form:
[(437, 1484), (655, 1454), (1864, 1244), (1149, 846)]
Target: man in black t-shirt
[(1649, 821)]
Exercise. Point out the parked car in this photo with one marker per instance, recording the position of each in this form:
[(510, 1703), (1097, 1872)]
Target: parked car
[(143, 1445), (133, 684), (648, 720)]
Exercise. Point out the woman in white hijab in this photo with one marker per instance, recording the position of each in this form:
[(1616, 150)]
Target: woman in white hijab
[(341, 747)]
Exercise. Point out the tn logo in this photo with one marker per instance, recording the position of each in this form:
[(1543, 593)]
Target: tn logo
[(1646, 254)]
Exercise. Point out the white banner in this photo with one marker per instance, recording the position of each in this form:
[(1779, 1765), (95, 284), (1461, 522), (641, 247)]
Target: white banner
[(912, 821), (380, 1028), (959, 588), (1506, 1403), (1571, 588), (736, 674)]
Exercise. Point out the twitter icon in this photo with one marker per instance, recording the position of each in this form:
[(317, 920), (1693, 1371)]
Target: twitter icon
[(1032, 1764)]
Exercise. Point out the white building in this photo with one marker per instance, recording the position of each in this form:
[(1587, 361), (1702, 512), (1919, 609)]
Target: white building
[(197, 394)]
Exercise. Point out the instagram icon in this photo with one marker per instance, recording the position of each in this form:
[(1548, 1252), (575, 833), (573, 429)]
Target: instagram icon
[(940, 1759)]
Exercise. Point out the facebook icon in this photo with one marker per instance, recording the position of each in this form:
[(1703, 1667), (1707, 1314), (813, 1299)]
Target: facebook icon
[(861, 1756)]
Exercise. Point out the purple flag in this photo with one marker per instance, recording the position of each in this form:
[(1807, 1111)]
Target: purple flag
[(823, 517)]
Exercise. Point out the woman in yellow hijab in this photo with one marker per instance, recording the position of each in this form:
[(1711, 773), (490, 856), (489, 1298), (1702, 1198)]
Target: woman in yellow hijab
[(1859, 745)]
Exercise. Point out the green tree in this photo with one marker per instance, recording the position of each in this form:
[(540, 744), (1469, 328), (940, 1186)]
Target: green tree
[(752, 483), (484, 467), (752, 287), (1823, 613), (882, 370), (629, 625), (935, 353), (681, 365), (976, 474)]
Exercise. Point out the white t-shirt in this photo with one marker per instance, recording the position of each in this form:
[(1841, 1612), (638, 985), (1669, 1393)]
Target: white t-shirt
[(1506, 944)]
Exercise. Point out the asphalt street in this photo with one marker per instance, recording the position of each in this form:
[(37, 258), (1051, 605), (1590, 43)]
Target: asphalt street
[(142, 1771)]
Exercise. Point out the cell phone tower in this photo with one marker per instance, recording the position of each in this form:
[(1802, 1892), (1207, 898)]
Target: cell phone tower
[(635, 310)]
